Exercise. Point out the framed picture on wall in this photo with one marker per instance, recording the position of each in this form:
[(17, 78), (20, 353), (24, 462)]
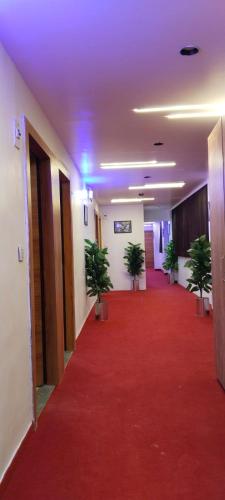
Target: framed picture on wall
[(122, 226), (85, 215)]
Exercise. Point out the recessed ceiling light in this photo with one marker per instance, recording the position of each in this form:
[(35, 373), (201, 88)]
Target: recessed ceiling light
[(131, 200), (180, 107), (143, 164), (159, 185), (189, 50), (158, 143)]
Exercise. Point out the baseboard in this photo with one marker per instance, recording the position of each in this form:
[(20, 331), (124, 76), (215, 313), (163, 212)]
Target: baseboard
[(85, 318), (4, 480)]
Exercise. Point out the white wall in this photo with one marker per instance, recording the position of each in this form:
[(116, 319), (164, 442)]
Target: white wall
[(158, 257), (156, 214), (117, 242), (183, 272), (15, 367)]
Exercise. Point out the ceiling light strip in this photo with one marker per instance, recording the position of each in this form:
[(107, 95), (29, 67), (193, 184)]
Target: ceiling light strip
[(128, 163), (117, 166), (181, 107), (131, 200), (206, 114), (159, 185)]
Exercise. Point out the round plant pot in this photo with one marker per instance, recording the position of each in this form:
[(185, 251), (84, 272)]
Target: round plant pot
[(101, 311), (206, 304), (202, 306), (135, 285), (171, 278)]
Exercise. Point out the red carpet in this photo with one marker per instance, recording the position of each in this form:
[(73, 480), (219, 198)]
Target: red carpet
[(139, 414)]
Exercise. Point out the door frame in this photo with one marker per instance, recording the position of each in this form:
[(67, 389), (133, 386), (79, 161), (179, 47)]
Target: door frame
[(69, 291), (98, 228), (55, 168)]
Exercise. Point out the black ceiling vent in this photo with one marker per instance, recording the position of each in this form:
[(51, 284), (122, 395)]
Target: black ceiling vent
[(189, 50)]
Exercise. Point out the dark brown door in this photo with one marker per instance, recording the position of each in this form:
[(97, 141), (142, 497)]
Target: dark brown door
[(67, 263), (149, 249), (46, 276), (97, 232), (37, 272), (100, 231)]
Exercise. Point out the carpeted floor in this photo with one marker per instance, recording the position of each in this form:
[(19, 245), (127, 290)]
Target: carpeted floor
[(139, 414)]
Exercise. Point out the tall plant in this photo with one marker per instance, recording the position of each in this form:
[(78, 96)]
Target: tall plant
[(200, 265), (134, 257), (96, 266), (171, 262)]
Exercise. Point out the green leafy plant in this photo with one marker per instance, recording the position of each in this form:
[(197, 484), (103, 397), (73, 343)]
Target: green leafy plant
[(171, 262), (134, 257), (200, 265), (96, 266)]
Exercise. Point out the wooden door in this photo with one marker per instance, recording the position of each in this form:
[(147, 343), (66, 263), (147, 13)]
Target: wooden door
[(97, 230), (67, 263), (217, 226), (37, 273), (45, 267), (100, 231), (149, 249)]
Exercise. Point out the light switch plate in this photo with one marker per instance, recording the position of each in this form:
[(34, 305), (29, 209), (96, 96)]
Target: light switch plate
[(20, 253)]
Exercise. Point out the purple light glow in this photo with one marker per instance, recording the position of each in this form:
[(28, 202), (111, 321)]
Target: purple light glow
[(84, 144)]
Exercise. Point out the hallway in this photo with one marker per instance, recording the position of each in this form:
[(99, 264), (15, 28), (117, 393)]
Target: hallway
[(139, 414)]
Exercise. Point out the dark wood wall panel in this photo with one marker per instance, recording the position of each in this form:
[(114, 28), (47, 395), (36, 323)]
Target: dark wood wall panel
[(190, 220)]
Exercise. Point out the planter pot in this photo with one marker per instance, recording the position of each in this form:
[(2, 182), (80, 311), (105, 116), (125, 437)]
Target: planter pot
[(101, 311), (173, 277), (206, 304), (202, 306), (135, 285)]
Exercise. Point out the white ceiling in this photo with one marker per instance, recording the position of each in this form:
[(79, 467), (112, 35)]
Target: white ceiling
[(90, 62)]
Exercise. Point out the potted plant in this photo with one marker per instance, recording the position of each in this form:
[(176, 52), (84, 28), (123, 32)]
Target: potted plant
[(171, 262), (201, 278), (97, 278), (134, 257)]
